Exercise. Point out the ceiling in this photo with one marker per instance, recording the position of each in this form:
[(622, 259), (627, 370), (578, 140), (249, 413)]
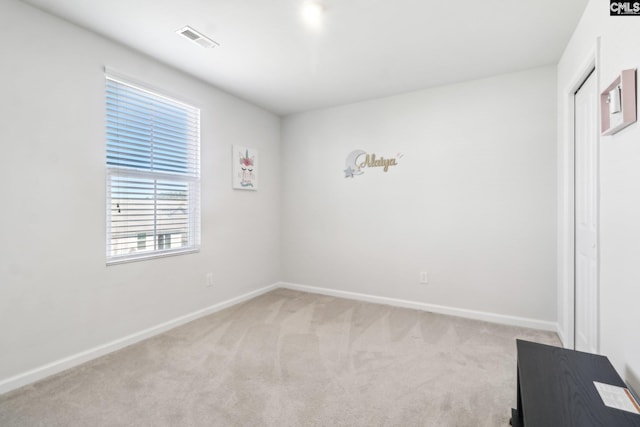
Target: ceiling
[(365, 49)]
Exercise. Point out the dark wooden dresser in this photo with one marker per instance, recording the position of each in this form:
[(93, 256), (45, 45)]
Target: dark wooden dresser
[(555, 389)]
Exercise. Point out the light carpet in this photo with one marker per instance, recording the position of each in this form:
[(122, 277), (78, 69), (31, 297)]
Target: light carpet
[(290, 358)]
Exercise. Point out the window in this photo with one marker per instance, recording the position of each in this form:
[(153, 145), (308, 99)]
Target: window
[(164, 241), (142, 241), (153, 173)]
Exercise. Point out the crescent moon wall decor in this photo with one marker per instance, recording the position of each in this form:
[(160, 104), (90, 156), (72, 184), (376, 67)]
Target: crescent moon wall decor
[(351, 164)]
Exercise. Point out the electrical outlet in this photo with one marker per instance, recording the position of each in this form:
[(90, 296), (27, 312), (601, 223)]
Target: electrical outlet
[(209, 280), (424, 278)]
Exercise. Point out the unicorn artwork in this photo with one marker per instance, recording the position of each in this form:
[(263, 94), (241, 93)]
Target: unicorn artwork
[(245, 168)]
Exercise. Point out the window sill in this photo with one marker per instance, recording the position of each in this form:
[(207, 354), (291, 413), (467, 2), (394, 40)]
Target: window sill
[(136, 258)]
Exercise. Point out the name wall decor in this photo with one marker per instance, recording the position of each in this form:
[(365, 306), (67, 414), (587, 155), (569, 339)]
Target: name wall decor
[(358, 160)]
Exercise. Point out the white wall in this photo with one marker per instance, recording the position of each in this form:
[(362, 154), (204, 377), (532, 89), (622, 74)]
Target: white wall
[(472, 201), (57, 296), (619, 189)]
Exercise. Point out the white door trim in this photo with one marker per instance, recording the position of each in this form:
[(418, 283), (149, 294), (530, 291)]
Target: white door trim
[(566, 199)]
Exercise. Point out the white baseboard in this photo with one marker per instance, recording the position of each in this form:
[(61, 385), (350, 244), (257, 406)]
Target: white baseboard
[(561, 334), (52, 368), (453, 311), (57, 366)]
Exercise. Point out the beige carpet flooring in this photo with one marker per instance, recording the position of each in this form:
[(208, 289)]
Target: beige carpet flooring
[(289, 358)]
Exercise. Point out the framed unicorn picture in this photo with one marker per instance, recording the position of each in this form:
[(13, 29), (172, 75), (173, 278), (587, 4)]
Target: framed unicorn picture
[(245, 168)]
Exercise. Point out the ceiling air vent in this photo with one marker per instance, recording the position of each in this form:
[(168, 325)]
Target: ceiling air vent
[(196, 37)]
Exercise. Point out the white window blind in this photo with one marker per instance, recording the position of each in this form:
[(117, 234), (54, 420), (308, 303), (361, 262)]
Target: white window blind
[(153, 173)]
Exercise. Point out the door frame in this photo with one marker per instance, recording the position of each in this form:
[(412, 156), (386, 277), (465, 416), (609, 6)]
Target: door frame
[(566, 200)]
